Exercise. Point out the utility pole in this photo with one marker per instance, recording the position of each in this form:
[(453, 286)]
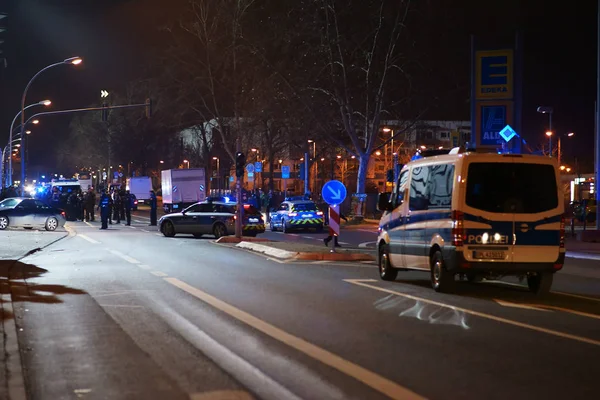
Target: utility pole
[(597, 170)]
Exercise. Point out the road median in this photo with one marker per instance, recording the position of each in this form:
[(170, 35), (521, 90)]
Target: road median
[(298, 251)]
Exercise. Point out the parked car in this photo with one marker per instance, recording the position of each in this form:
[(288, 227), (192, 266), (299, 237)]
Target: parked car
[(29, 213)]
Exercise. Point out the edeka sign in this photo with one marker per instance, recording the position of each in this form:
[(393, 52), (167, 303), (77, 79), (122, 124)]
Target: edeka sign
[(491, 119), (494, 74)]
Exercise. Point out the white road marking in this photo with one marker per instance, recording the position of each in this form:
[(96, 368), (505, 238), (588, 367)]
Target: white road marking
[(141, 222), (365, 244), (519, 305), (125, 257), (121, 306), (159, 273), (222, 395), (158, 234), (362, 282), (146, 267), (89, 239), (344, 243), (577, 296), (371, 379), (131, 227), (87, 223), (144, 230)]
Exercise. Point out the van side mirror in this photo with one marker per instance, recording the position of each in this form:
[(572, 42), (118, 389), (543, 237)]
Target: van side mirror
[(383, 202)]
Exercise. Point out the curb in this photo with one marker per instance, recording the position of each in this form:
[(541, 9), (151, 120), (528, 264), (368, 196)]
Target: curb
[(304, 256), (233, 239), (14, 365), (268, 250)]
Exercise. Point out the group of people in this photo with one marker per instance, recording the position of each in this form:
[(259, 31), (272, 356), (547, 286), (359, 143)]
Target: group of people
[(117, 205)]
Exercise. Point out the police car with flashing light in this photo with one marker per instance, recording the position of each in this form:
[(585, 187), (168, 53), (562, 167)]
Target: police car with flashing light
[(296, 214), (478, 215)]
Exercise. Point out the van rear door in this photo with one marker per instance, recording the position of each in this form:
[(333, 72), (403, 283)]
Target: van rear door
[(489, 217), (519, 200)]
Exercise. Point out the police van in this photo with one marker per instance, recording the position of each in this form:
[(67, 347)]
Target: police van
[(479, 215)]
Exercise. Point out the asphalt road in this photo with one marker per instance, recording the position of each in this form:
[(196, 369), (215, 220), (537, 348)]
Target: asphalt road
[(129, 314)]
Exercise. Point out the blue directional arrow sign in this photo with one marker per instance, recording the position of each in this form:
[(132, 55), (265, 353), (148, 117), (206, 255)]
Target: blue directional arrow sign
[(258, 166), (285, 172), (507, 133), (334, 192)]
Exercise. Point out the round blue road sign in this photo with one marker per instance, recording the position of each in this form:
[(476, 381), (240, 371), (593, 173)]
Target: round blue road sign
[(333, 192)]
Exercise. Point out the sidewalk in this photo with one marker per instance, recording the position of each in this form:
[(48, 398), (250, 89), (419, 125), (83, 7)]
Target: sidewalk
[(14, 245)]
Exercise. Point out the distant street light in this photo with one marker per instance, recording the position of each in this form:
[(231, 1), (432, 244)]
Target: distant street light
[(35, 121), (218, 172), (187, 162), (72, 61), (10, 136), (570, 134), (549, 111)]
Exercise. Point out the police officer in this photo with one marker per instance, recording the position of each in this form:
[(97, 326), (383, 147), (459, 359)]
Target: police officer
[(104, 207), (127, 200), (152, 208)]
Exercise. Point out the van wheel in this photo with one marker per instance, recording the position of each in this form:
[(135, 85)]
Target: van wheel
[(540, 283), (441, 279), (386, 271)]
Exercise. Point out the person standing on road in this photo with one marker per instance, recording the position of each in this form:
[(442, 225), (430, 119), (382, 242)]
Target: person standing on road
[(334, 237), (90, 204), (152, 208), (117, 206), (127, 201), (104, 207)]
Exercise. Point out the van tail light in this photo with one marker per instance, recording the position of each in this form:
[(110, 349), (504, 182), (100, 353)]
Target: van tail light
[(562, 232), (293, 214), (458, 228)]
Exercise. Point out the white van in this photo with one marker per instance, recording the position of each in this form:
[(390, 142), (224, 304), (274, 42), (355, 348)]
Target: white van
[(479, 215)]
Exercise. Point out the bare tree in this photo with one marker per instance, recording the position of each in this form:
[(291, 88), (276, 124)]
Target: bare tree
[(364, 70)]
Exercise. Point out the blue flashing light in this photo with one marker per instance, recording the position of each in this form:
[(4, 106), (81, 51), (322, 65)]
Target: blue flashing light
[(226, 199)]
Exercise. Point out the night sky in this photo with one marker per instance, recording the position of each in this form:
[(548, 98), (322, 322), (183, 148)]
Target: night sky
[(117, 39)]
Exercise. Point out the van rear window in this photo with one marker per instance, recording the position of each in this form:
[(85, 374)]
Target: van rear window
[(512, 187)]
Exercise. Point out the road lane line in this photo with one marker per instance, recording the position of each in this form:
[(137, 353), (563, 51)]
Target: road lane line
[(130, 227), (519, 305), (125, 257), (361, 282), (364, 245), (159, 273), (371, 379), (222, 395), (87, 223), (89, 239), (158, 234), (146, 267), (577, 296), (144, 230)]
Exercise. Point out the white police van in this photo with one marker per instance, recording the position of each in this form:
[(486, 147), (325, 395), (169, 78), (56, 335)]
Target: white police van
[(481, 215)]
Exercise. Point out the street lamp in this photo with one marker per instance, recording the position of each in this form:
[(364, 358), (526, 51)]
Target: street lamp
[(72, 61), (187, 162), (218, 173), (549, 111), (570, 134), (549, 134), (10, 135)]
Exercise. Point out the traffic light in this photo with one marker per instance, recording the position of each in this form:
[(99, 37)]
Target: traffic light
[(148, 108), (389, 175), (104, 112), (240, 163)]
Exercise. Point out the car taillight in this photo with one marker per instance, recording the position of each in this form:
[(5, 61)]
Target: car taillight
[(63, 214), (292, 214), (458, 228), (562, 231), (135, 202)]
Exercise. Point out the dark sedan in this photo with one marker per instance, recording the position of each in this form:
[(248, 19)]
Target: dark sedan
[(211, 218), (28, 213)]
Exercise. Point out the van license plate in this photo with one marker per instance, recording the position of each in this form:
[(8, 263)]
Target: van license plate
[(489, 255)]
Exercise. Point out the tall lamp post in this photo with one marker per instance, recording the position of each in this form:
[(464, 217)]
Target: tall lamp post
[(218, 173), (10, 135), (72, 61), (549, 111), (570, 134)]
